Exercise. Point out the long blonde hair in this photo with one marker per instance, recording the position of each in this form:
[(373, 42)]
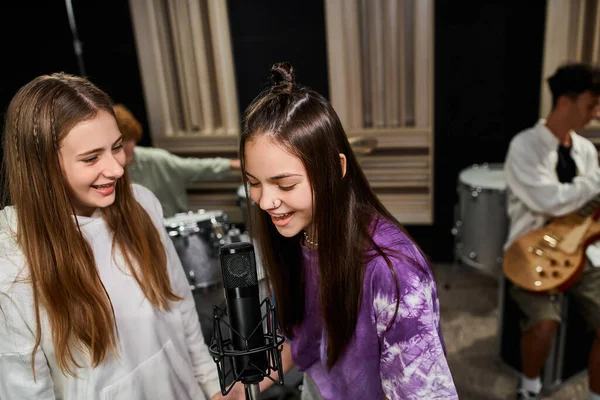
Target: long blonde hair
[(60, 261)]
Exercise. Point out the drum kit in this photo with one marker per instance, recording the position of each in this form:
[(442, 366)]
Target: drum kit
[(197, 237), (479, 231), (481, 223)]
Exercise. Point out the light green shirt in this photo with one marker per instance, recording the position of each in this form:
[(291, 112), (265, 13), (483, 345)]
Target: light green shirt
[(167, 175)]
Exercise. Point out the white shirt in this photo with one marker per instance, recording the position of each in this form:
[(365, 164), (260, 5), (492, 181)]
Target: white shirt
[(534, 192), (161, 355)]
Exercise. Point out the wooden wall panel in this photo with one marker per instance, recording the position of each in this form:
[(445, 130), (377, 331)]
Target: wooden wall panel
[(394, 52)]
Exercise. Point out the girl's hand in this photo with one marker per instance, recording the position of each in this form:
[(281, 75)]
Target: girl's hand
[(237, 393)]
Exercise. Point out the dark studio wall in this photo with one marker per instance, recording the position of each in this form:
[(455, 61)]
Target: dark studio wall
[(488, 62), (268, 31), (37, 40), (33, 43), (488, 58), (110, 53)]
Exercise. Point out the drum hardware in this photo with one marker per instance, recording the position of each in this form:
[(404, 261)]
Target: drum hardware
[(217, 235), (363, 145), (476, 191), (235, 235), (456, 230), (242, 202)]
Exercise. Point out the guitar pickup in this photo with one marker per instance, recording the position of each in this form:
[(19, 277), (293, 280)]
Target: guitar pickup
[(542, 253), (550, 240), (536, 251)]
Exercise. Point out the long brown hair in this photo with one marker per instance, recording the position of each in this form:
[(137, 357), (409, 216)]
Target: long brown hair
[(305, 124), (60, 262)]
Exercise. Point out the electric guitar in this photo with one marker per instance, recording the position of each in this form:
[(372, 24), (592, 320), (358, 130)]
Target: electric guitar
[(552, 258)]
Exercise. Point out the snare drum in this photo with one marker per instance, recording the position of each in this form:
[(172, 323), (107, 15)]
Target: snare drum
[(197, 237), (482, 223)]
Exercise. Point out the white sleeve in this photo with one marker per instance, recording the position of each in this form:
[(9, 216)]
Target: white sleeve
[(538, 187), (204, 368), (16, 346), (193, 169), (593, 157)]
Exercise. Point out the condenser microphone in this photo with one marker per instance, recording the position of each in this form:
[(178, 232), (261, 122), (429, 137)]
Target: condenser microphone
[(240, 281), (249, 354)]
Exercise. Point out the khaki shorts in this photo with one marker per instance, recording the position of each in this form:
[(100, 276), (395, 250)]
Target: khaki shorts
[(585, 293)]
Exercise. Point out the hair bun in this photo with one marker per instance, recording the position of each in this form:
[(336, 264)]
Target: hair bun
[(283, 77)]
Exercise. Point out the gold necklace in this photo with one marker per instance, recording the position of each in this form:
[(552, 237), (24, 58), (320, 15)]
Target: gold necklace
[(307, 240)]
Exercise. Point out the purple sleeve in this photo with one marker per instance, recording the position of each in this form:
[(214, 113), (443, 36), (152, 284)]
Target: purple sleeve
[(413, 363)]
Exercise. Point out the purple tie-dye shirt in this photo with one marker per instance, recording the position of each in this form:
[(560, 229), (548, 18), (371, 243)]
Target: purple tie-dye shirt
[(405, 362)]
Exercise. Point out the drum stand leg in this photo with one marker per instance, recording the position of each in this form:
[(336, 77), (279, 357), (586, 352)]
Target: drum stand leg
[(456, 236)]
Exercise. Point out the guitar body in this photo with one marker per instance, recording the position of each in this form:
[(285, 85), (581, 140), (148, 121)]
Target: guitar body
[(552, 258)]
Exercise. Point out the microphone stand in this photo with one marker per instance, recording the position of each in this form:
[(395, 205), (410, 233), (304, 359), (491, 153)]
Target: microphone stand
[(252, 391), (223, 354), (77, 44)]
